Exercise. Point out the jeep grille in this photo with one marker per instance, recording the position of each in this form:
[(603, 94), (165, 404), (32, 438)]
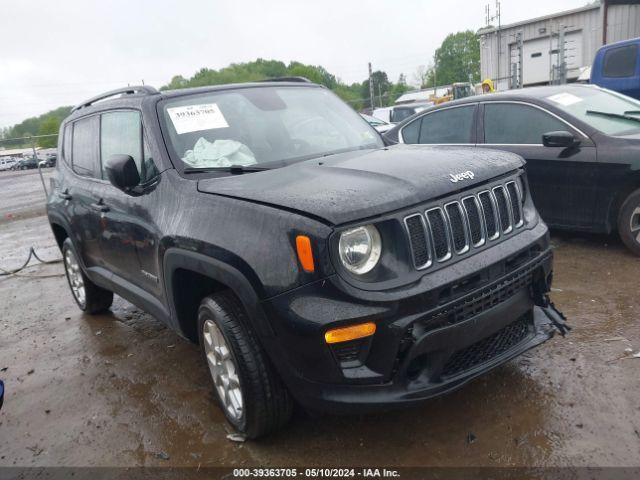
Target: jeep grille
[(461, 225)]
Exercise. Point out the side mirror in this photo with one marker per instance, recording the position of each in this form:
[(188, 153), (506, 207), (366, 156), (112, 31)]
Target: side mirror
[(122, 172), (561, 138)]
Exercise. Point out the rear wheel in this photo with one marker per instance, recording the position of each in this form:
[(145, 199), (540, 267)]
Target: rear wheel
[(629, 222), (90, 297), (251, 394)]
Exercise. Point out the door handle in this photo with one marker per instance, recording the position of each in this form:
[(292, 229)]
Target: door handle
[(65, 195), (99, 207)]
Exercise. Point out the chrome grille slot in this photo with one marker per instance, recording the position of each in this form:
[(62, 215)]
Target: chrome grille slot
[(439, 234), (504, 210), (457, 224), (474, 216), (418, 239), (461, 225), (516, 203), (490, 215)]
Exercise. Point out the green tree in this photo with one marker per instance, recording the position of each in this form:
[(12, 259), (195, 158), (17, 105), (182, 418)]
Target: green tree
[(45, 124), (457, 58), (49, 126), (397, 89), (381, 87)]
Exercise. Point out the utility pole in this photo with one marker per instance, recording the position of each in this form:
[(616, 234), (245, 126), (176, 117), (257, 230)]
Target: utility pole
[(498, 38), (561, 54), (435, 76), (490, 18), (371, 93), (520, 59)]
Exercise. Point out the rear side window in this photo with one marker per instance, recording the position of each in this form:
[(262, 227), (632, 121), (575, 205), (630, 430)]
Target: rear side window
[(620, 62), (452, 125), (85, 146), (517, 124), (411, 132)]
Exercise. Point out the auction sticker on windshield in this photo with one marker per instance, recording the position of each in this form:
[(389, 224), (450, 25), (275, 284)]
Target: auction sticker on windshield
[(194, 118), (564, 99)]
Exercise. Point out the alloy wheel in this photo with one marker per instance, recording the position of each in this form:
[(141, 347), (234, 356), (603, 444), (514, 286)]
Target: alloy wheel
[(634, 223), (223, 370), (76, 282)]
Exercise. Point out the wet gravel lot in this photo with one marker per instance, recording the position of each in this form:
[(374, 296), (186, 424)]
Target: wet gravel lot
[(122, 390)]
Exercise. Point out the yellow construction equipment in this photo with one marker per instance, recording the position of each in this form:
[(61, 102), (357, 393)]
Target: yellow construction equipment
[(454, 92)]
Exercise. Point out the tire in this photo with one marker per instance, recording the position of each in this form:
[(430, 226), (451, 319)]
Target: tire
[(264, 402), (629, 222), (89, 297)]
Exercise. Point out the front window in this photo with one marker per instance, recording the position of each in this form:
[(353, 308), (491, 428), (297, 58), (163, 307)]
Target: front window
[(609, 112), (258, 126), (514, 123)]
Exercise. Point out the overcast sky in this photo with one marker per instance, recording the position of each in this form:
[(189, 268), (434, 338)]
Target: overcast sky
[(59, 52)]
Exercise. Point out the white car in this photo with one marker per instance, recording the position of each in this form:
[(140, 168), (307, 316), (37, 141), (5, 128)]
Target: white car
[(6, 163), (380, 125), (398, 113)]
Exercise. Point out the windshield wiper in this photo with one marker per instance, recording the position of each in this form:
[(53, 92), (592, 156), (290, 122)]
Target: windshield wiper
[(613, 115), (632, 112), (236, 169)]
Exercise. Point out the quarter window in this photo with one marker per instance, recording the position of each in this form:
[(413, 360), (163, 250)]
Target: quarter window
[(85, 142), (517, 124), (620, 62), (451, 125), (66, 145)]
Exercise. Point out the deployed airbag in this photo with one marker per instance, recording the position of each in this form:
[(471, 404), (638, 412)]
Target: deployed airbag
[(221, 153)]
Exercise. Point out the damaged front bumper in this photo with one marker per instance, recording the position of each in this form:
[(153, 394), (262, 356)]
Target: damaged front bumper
[(425, 345)]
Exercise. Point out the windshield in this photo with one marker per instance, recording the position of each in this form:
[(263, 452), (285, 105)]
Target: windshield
[(250, 126), (579, 101), (462, 91), (399, 114), (373, 120)]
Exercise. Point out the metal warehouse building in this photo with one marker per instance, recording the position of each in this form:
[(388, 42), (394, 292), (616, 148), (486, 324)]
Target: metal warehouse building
[(554, 48)]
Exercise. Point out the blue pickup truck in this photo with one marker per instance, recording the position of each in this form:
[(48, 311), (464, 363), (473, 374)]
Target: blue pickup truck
[(617, 67)]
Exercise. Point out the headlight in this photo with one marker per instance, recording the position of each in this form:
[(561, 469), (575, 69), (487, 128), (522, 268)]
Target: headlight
[(360, 249)]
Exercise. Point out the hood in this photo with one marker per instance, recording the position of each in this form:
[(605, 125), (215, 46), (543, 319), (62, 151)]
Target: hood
[(356, 185)]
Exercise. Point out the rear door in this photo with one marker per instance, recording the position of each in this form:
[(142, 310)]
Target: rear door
[(562, 180), (81, 191), (446, 126)]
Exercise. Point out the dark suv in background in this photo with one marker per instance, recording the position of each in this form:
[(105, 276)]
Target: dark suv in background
[(270, 223)]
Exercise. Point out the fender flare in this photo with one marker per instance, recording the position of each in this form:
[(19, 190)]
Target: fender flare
[(219, 271)]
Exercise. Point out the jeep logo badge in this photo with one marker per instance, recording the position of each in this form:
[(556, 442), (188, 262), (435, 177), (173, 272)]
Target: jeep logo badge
[(456, 177)]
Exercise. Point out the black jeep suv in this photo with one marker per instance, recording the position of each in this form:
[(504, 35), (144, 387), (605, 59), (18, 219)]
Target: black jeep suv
[(270, 223)]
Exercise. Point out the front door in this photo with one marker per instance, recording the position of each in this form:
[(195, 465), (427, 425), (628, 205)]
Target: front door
[(562, 180), (129, 240)]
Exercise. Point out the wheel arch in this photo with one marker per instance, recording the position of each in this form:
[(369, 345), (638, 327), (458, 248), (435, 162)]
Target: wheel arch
[(619, 198), (190, 276)]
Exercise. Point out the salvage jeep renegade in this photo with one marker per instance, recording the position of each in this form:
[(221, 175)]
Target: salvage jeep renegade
[(269, 223)]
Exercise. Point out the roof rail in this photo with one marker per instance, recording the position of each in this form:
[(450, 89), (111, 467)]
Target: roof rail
[(139, 89), (287, 79)]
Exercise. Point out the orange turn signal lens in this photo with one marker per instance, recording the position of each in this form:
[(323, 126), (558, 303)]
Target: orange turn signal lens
[(353, 332), (305, 254)]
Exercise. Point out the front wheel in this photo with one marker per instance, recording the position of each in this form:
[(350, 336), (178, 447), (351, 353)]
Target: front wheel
[(90, 297), (251, 394), (629, 222)]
